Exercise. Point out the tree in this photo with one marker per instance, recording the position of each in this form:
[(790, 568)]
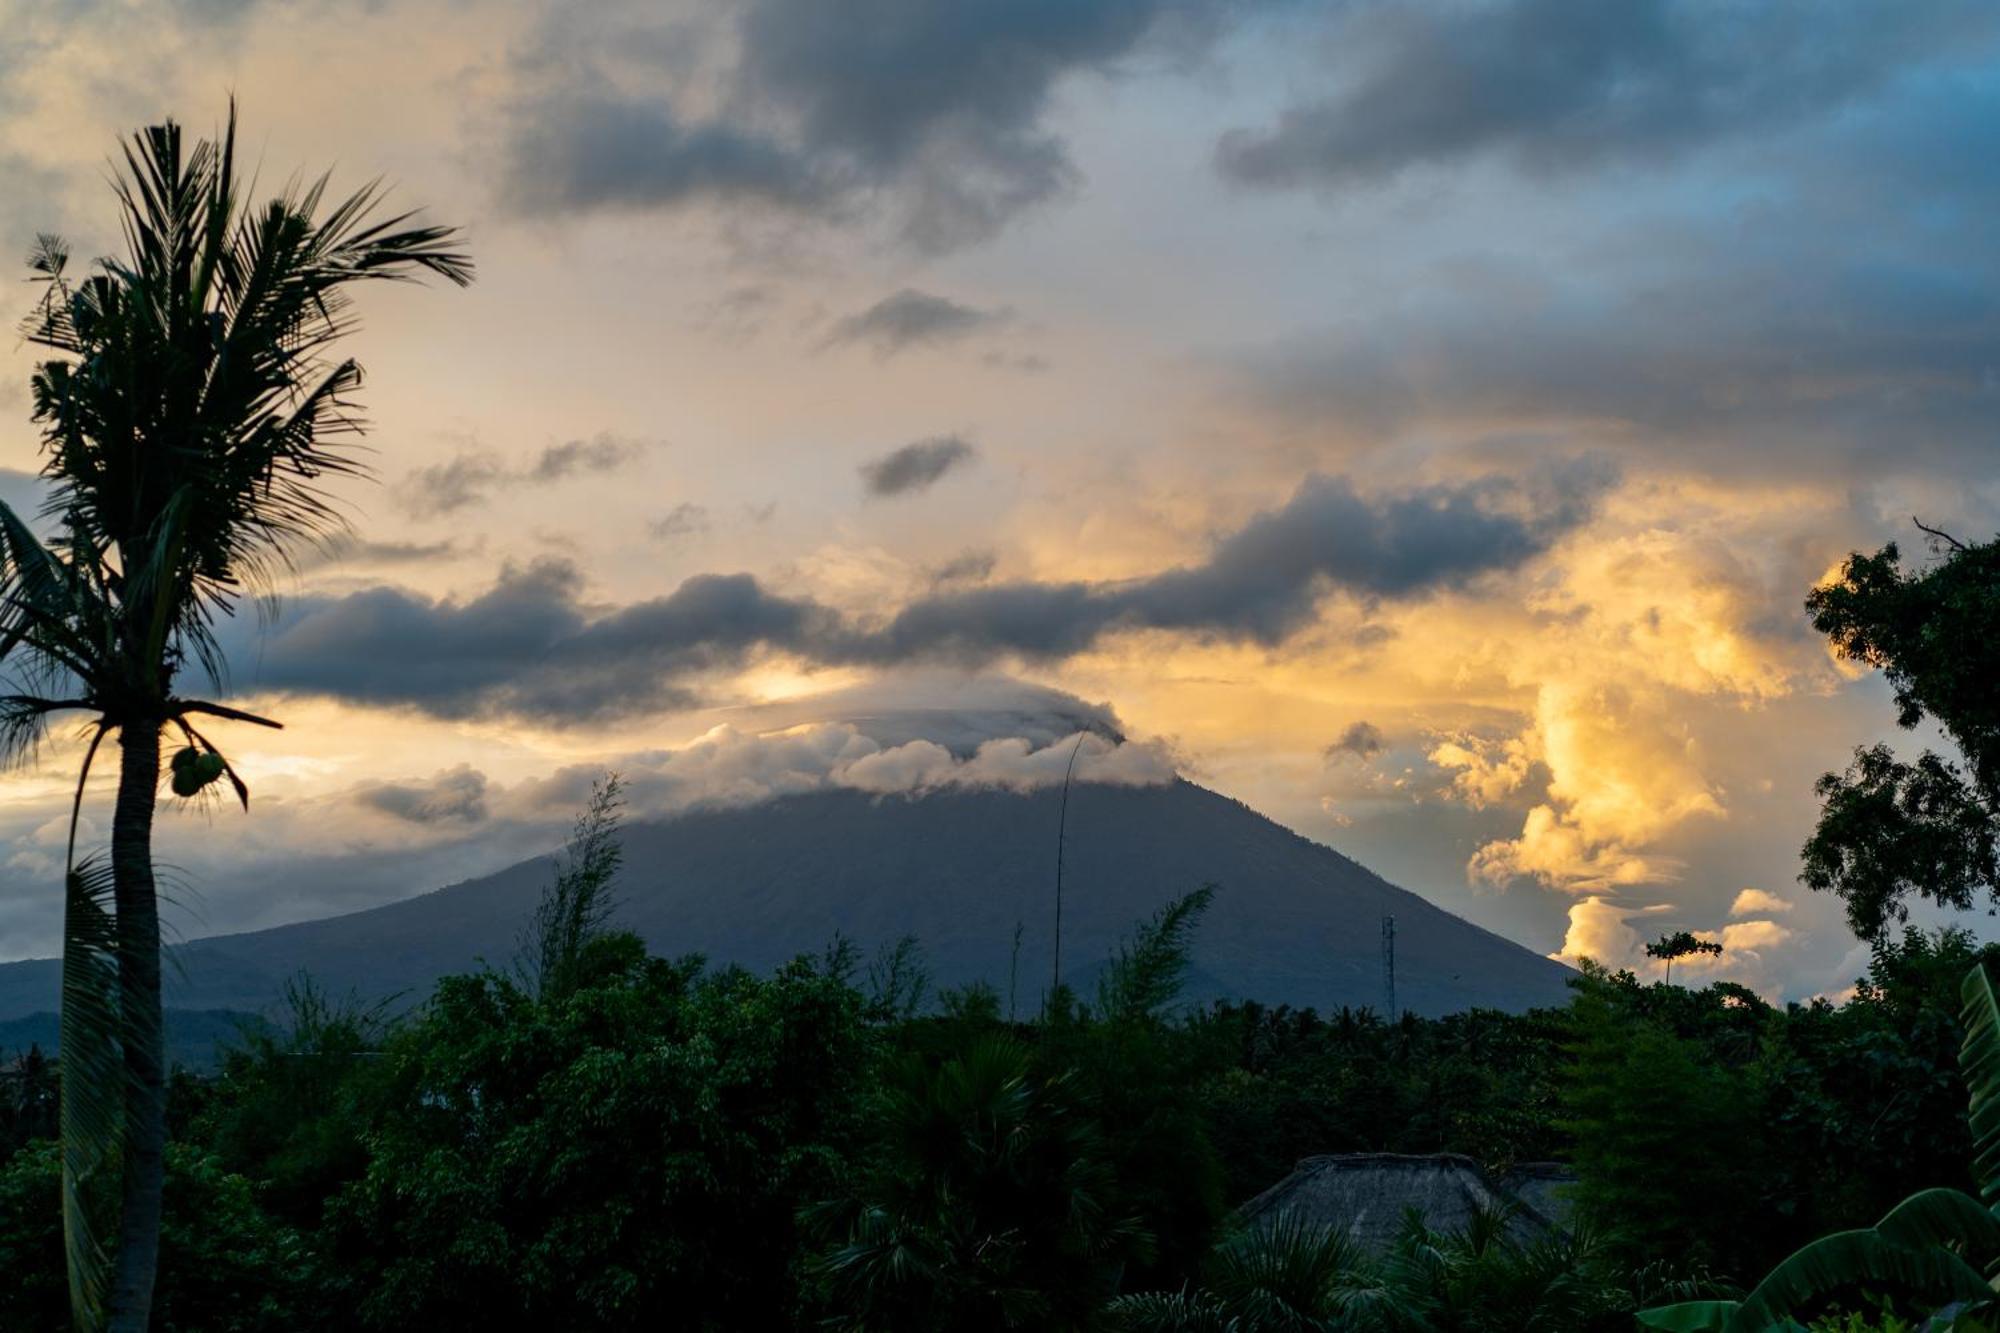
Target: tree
[(229, 1266), (1933, 1249), (1889, 828), (1659, 1129), (632, 1157), (989, 1201), (576, 907), (190, 415), (1681, 944)]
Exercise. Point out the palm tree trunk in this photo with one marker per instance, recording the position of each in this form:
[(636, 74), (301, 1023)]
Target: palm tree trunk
[(139, 1012)]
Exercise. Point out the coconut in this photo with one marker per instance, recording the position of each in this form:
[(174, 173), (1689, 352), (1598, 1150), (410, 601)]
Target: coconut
[(194, 769)]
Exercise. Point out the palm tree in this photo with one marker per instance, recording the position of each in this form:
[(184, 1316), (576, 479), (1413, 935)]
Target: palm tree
[(190, 414)]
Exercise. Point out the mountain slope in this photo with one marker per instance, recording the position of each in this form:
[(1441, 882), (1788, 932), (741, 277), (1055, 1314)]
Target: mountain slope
[(1293, 921)]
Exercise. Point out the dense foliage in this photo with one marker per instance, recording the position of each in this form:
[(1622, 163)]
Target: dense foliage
[(829, 1147)]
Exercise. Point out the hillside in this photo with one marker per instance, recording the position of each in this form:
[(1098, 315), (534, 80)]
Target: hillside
[(1293, 921)]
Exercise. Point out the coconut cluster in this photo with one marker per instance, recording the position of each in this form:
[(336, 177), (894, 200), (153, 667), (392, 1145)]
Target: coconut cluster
[(194, 769)]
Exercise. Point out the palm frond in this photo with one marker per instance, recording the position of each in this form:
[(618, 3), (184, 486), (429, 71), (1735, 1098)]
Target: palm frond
[(1170, 1312), (46, 609), (93, 1082), (1145, 975), (194, 370)]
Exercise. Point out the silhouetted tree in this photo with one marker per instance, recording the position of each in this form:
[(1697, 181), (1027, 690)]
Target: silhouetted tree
[(1681, 944), (576, 907), (1890, 828), (190, 415)]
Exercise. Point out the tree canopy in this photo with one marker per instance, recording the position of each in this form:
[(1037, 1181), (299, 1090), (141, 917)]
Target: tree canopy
[(1892, 829)]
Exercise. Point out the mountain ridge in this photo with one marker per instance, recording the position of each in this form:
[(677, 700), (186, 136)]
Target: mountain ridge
[(1293, 921)]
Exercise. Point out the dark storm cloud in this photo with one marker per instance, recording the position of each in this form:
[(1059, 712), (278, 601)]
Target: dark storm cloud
[(1558, 85), (530, 648), (911, 318), (936, 110), (389, 646), (573, 152), (1263, 582), (527, 647), (1361, 740), (456, 796), (1828, 302), (917, 466), (1764, 352)]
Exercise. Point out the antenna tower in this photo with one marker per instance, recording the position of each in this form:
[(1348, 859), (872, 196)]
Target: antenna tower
[(1389, 964)]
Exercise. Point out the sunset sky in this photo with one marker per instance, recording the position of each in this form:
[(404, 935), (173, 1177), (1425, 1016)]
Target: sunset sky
[(1422, 422)]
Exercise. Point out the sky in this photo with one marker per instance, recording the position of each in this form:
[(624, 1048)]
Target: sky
[(1422, 421)]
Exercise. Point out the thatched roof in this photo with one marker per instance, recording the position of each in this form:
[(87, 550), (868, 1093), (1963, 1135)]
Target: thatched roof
[(1367, 1195), (1545, 1187)]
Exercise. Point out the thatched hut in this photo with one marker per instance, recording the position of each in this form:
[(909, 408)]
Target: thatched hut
[(1367, 1195), (1545, 1187)]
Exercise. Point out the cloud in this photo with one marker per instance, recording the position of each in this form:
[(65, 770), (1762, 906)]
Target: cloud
[(473, 478), (1601, 929), (1361, 740), (445, 488), (683, 520), (738, 314), (916, 467), (1631, 625), (951, 709), (24, 493), (1752, 901), (934, 112), (729, 767), (573, 458), (576, 151), (1751, 936), (1718, 335), (340, 846), (1263, 582), (454, 796), (1555, 86), (910, 318), (352, 552), (965, 567), (528, 647), (1485, 771)]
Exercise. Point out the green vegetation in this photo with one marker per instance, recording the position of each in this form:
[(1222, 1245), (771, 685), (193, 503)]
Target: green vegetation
[(651, 1142)]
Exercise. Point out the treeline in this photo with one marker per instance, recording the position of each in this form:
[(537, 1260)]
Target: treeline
[(601, 1139)]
